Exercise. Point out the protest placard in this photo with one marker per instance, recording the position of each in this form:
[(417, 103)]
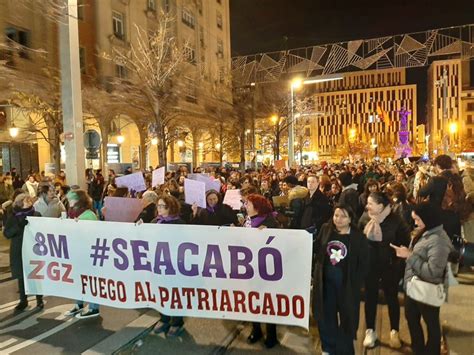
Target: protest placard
[(121, 209), (158, 177), (280, 164), (242, 274), (233, 199), (195, 192), (134, 182)]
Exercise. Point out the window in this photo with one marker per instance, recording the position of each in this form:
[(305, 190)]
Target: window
[(190, 89), (80, 9), (470, 106), (151, 5), (22, 37), (469, 119), (120, 71), (220, 48), (188, 18), (219, 20), (117, 20), (82, 59), (190, 54), (201, 36), (167, 6), (113, 153), (199, 6)]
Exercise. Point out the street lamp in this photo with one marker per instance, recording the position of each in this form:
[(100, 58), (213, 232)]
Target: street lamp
[(180, 143), (453, 128), (218, 146), (13, 131), (154, 141), (295, 84), (120, 139)]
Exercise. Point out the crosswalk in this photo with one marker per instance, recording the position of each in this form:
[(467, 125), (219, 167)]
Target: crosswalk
[(49, 331)]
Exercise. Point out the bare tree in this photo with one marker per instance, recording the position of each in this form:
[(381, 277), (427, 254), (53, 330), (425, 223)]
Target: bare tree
[(155, 59)]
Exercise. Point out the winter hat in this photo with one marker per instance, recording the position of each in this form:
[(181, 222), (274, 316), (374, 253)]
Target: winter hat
[(429, 213)]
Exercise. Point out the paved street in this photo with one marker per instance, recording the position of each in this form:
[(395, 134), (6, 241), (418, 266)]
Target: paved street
[(127, 331)]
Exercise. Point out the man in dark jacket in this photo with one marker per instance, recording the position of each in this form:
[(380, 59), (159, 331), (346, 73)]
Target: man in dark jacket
[(436, 186), (317, 208), (349, 195)]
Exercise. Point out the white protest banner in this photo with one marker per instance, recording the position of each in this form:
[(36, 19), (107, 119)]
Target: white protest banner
[(233, 198), (195, 192), (406, 160), (180, 270), (134, 182), (211, 184), (158, 177), (121, 209)]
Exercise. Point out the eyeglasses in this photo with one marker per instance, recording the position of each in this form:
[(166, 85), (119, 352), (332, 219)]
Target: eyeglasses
[(162, 206)]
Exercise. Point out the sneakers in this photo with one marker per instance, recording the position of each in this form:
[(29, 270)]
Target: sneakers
[(161, 327), (72, 312), (174, 331), (370, 338), (91, 313), (395, 342)]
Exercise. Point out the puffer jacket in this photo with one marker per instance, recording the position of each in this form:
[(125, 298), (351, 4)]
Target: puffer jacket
[(430, 257)]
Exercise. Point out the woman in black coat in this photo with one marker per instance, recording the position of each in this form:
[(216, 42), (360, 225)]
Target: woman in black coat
[(168, 213), (215, 213), (383, 227), (341, 265), (14, 228), (261, 216)]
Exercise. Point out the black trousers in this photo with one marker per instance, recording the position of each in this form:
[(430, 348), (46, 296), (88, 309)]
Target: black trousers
[(388, 277), (414, 310), (271, 330), (21, 289), (333, 338)]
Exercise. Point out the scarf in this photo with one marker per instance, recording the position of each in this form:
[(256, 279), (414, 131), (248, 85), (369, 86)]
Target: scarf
[(211, 209), (24, 212), (75, 212), (256, 221), (166, 219), (31, 188), (372, 230)]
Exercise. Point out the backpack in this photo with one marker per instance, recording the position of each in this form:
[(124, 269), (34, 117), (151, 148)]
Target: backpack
[(455, 197)]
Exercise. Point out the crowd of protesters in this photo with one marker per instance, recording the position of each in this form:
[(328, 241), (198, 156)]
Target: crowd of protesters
[(374, 225)]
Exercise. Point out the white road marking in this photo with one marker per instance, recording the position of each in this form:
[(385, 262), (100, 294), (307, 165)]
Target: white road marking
[(41, 336), (61, 309), (8, 342), (3, 307)]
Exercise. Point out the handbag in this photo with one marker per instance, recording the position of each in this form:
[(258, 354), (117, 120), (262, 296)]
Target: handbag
[(426, 292)]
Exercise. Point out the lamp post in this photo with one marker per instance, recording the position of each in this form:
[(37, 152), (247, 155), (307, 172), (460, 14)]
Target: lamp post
[(71, 95), (295, 84)]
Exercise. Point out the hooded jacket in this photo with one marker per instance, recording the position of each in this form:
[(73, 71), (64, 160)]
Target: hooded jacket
[(219, 215)]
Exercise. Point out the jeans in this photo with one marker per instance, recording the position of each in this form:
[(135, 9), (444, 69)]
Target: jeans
[(98, 207), (389, 277), (172, 321), (333, 338), (92, 306), (413, 312)]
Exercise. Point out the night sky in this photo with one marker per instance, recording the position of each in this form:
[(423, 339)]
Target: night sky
[(270, 25)]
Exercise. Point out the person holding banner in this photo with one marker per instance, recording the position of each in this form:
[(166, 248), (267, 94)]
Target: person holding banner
[(261, 216), (14, 228), (341, 265), (80, 208), (168, 213), (215, 213)]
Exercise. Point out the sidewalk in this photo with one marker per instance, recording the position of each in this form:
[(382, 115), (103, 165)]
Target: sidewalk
[(211, 336)]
